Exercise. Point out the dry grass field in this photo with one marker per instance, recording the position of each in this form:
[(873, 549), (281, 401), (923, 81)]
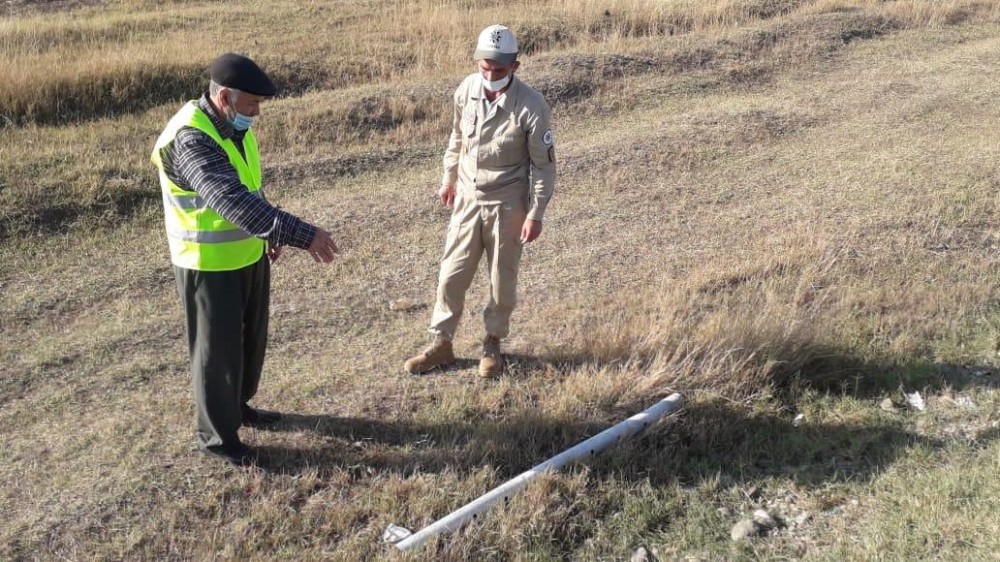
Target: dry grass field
[(785, 209)]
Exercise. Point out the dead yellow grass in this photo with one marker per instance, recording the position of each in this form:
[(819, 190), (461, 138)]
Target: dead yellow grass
[(781, 208), (142, 57), (914, 13)]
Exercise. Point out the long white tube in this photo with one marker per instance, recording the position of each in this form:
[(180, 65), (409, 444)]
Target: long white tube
[(586, 449)]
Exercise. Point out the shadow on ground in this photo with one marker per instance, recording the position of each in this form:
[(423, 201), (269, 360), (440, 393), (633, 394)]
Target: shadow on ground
[(718, 439), (837, 372)]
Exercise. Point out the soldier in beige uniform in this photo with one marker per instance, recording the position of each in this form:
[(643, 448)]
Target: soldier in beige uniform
[(499, 173)]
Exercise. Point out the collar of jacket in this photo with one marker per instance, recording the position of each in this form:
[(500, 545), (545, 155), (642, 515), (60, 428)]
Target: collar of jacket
[(225, 130)]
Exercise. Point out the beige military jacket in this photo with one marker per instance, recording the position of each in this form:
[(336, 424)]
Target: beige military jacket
[(504, 153)]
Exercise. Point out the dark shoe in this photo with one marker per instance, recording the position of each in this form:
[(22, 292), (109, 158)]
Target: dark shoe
[(239, 455), (253, 417)]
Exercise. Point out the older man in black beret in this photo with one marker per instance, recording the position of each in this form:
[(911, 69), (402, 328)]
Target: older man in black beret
[(223, 235)]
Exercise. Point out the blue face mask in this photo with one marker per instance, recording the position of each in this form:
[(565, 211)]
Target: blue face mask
[(236, 119), (240, 122)]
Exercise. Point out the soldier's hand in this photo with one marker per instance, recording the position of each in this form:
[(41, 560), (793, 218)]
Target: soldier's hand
[(447, 195), (322, 249), (531, 230)]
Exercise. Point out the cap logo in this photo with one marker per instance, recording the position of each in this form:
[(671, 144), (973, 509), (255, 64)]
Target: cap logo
[(495, 37)]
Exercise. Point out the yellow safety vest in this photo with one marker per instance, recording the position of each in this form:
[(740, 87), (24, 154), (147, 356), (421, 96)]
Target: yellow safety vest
[(199, 237)]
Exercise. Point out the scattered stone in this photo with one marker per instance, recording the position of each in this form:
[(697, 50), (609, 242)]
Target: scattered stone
[(802, 518), (965, 402), (402, 305), (916, 401), (745, 529), (798, 420), (764, 519), (724, 511), (887, 405), (641, 554)]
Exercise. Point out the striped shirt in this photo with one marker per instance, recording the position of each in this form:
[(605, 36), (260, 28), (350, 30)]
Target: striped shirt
[(195, 162)]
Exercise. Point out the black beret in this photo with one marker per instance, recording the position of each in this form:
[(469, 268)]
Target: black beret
[(236, 71)]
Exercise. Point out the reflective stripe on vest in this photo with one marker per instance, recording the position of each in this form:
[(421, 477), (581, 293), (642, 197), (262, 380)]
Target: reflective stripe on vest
[(200, 238), (193, 201), (208, 236)]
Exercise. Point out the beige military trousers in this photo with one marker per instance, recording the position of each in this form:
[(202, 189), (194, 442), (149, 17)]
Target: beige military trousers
[(493, 229)]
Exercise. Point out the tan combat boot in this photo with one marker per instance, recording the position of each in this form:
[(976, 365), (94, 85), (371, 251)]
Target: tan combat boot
[(491, 365), (439, 354)]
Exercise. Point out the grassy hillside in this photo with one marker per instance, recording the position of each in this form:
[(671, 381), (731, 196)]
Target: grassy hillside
[(784, 209)]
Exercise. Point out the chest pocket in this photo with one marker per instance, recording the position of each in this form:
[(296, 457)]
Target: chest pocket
[(469, 120), (509, 143)]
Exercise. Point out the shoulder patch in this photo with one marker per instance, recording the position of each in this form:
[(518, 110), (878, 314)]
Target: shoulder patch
[(547, 138)]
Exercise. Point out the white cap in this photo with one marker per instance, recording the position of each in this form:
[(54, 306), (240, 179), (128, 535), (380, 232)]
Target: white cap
[(496, 42)]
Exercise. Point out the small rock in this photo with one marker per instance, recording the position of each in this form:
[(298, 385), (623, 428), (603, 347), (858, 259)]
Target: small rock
[(752, 493), (764, 519), (798, 420), (916, 401), (965, 402), (403, 305), (744, 530), (724, 511), (802, 518), (887, 405), (641, 554)]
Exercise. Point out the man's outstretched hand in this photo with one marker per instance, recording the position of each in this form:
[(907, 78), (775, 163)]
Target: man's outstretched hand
[(323, 248)]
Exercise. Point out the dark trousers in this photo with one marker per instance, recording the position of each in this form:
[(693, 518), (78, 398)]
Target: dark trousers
[(227, 314)]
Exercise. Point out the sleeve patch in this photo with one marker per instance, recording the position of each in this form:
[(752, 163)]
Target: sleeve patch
[(547, 138)]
